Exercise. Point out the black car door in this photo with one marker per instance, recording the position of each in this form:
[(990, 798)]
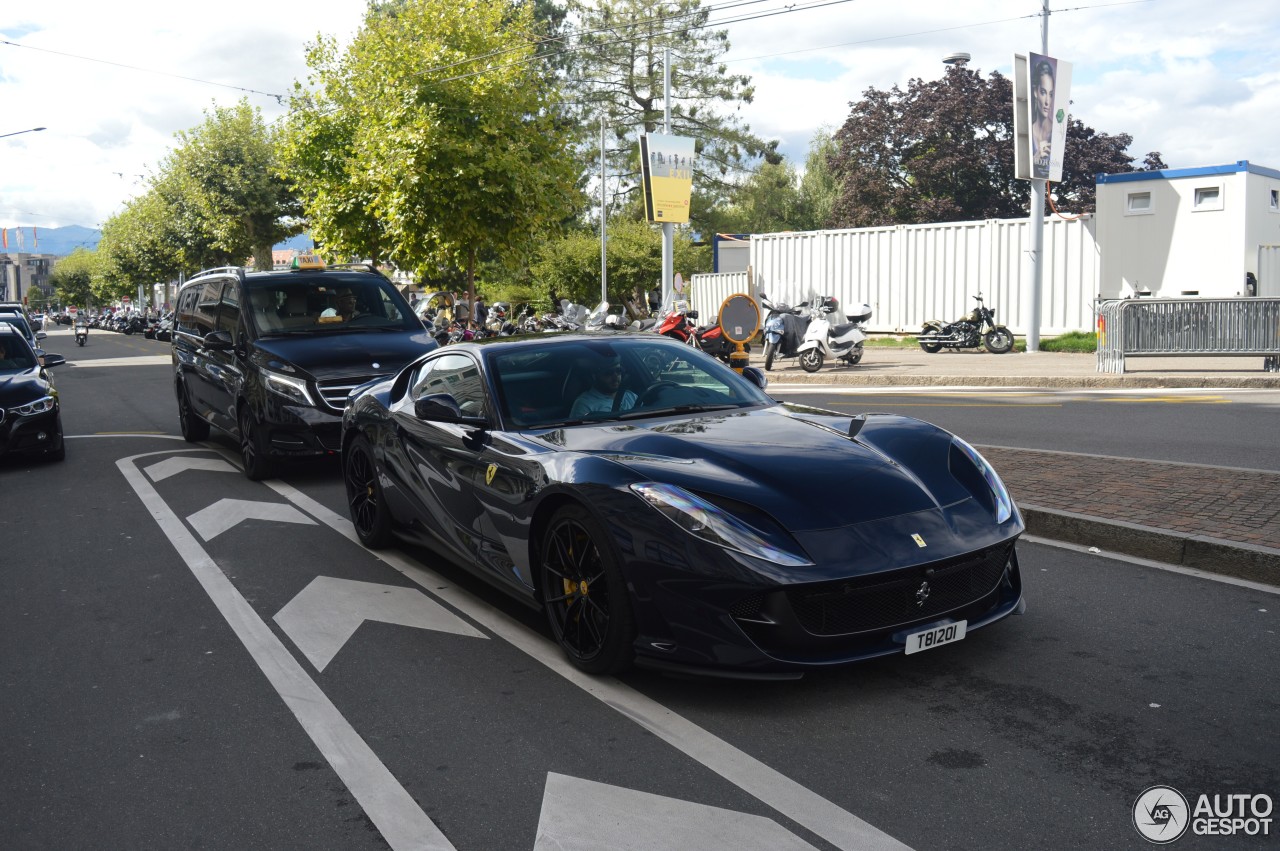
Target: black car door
[(440, 461)]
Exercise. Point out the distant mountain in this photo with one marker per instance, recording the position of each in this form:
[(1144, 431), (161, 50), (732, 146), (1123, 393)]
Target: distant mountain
[(62, 241), (57, 241)]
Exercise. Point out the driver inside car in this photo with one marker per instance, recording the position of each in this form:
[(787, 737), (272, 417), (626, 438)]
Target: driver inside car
[(346, 306), (605, 395)]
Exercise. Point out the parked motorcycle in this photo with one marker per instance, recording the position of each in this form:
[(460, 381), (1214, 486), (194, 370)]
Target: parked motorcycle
[(82, 333), (977, 329), (784, 329), (841, 342), (679, 324)]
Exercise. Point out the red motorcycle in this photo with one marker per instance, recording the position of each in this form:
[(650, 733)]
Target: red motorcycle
[(678, 325)]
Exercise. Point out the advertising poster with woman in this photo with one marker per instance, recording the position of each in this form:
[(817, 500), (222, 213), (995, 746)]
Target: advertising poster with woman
[(1049, 88)]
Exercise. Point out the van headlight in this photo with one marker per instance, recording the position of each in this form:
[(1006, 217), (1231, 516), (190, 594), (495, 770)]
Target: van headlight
[(712, 524), (1004, 503), (293, 389)]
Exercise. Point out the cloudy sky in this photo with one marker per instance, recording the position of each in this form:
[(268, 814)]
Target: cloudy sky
[(1198, 82)]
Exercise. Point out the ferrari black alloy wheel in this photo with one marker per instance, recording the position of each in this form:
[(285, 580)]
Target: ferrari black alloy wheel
[(583, 594), (257, 466), (193, 428), (364, 495)]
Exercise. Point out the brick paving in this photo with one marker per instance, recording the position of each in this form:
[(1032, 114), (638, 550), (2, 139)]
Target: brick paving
[(1243, 507)]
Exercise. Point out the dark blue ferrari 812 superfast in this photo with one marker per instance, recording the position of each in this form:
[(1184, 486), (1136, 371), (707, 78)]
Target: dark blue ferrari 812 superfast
[(663, 510)]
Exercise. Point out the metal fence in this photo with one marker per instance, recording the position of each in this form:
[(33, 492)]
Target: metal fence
[(912, 273), (1233, 327)]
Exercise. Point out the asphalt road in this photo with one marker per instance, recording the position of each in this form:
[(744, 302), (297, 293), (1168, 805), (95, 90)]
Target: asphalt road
[(181, 668)]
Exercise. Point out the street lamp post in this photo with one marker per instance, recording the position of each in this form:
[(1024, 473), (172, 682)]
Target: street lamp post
[(20, 132)]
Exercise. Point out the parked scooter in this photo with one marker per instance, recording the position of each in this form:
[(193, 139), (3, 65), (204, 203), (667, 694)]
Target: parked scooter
[(784, 329), (977, 329), (82, 332), (823, 340)]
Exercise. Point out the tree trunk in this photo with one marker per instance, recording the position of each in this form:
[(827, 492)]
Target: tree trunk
[(262, 258), (471, 284)]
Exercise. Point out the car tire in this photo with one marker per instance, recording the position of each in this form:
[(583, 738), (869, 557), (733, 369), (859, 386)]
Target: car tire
[(811, 360), (998, 340), (193, 428), (770, 349), (369, 513), (592, 624), (59, 454), (253, 451)]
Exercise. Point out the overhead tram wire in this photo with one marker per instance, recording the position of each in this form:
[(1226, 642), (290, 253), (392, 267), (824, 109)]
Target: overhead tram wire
[(278, 98)]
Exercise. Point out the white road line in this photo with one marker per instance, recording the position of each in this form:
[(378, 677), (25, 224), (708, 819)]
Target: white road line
[(801, 805), (393, 811)]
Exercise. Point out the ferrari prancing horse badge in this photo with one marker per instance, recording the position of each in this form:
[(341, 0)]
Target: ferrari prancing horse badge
[(490, 473)]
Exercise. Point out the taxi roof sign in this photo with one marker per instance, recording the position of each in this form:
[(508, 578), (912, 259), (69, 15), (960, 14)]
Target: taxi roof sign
[(307, 261)]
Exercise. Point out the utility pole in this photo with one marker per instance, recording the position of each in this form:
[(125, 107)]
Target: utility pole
[(1036, 270), (668, 229), (604, 215)]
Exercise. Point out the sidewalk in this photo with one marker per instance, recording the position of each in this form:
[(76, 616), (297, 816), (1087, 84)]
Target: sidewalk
[(1213, 519)]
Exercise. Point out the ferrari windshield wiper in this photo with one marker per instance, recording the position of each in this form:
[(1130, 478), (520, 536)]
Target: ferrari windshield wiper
[(675, 409)]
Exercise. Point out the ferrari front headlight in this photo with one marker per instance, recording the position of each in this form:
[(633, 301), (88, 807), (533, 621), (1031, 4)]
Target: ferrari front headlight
[(713, 524), (1004, 503)]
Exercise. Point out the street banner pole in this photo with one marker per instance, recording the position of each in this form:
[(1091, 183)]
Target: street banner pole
[(668, 229)]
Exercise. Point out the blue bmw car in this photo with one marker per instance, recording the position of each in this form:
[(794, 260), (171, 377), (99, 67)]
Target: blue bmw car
[(662, 510)]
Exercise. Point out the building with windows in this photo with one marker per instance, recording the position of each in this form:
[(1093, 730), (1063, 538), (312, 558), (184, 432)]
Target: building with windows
[(25, 275), (1212, 232)]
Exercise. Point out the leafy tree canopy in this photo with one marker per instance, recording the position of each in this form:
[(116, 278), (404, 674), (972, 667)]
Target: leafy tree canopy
[(943, 151), (615, 69), (569, 267), (434, 140), (73, 276)]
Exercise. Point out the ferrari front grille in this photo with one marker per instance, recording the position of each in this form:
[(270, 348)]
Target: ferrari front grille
[(883, 601)]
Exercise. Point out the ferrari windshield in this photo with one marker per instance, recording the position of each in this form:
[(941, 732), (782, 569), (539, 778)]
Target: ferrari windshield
[(616, 378)]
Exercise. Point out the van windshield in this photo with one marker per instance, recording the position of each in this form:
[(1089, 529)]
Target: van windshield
[(325, 304)]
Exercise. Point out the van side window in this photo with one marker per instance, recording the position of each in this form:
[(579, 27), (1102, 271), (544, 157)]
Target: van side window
[(229, 310), (204, 318)]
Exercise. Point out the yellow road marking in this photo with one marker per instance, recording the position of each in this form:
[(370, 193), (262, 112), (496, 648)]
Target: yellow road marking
[(1176, 400)]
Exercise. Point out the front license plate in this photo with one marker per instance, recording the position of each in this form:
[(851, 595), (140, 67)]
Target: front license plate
[(935, 637)]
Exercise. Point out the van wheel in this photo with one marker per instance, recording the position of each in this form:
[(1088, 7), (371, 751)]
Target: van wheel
[(257, 466)]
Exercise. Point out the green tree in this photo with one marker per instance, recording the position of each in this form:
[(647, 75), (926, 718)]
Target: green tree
[(615, 69), (146, 242), (433, 140), (227, 172), (943, 151), (819, 187), (569, 267), (73, 276)]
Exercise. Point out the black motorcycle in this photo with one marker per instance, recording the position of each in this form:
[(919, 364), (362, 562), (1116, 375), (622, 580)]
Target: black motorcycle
[(979, 328)]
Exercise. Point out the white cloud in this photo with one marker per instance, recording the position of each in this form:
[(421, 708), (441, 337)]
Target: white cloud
[(1198, 84)]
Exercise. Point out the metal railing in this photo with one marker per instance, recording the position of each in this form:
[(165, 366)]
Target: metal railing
[(1198, 327)]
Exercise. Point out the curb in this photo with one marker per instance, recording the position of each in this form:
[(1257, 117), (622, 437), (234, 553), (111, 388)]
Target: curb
[(1212, 555), (787, 376)]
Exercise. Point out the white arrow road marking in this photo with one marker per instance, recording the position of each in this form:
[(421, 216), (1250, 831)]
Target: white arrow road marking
[(329, 610), (174, 466), (392, 810), (226, 513), (579, 815), (802, 805)]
